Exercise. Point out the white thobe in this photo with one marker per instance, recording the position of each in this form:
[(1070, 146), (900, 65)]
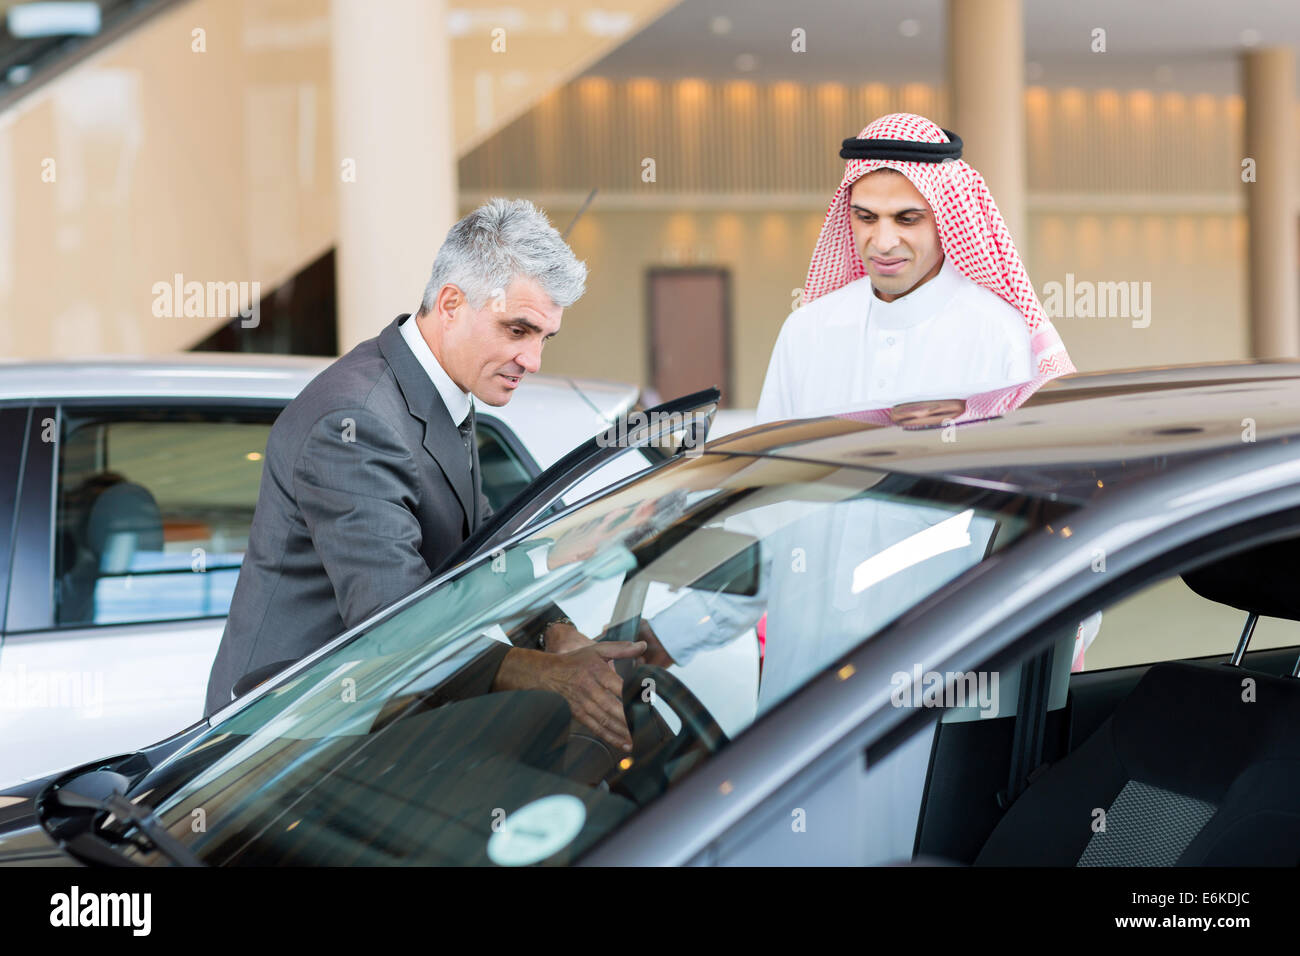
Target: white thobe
[(848, 350)]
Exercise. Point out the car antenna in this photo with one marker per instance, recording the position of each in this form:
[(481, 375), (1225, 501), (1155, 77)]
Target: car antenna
[(581, 209)]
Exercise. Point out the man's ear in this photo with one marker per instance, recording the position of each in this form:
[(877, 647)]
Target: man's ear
[(450, 299)]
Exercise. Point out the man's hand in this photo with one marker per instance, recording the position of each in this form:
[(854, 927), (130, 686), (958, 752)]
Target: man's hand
[(583, 677), (655, 655), (919, 414), (562, 637)]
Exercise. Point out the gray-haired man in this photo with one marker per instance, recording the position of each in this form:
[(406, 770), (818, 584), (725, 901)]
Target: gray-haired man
[(372, 480)]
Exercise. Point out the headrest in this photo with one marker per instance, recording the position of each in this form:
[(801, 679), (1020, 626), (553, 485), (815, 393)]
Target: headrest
[(1263, 580), (124, 519)]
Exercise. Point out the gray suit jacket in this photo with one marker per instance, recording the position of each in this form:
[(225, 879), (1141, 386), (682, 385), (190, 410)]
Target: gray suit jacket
[(366, 491)]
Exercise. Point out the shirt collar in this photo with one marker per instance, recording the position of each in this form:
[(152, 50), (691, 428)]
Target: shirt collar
[(920, 304), (457, 401)]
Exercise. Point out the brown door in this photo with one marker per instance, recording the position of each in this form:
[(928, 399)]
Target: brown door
[(690, 331)]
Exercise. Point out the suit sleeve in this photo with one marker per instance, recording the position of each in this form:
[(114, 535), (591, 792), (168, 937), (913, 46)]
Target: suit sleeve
[(356, 485)]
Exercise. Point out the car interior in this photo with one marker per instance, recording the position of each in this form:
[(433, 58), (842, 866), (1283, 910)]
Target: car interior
[(1177, 763), (137, 495)]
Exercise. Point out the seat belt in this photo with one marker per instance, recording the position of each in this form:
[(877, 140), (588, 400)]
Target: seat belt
[(1030, 728)]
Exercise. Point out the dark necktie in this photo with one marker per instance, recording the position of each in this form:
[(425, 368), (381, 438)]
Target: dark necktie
[(466, 429)]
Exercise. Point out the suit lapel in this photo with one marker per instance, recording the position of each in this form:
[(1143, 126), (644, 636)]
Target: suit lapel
[(441, 437)]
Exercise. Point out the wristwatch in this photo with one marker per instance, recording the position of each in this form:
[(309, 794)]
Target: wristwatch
[(541, 635)]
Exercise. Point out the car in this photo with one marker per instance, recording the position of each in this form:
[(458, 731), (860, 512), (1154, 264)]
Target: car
[(923, 588), (107, 635)]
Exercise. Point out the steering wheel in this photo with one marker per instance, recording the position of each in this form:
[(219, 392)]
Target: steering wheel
[(698, 725), (659, 756)]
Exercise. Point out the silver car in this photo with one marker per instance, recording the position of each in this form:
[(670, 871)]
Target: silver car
[(106, 638)]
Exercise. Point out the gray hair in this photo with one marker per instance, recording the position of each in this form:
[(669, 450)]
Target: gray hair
[(499, 241)]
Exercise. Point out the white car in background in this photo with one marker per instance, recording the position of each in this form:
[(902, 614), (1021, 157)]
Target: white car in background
[(106, 639)]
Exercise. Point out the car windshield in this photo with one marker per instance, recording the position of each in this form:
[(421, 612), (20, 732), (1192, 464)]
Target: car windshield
[(754, 574)]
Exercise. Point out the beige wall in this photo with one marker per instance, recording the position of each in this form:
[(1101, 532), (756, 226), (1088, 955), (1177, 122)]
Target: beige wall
[(213, 164), (221, 165), (1195, 262)]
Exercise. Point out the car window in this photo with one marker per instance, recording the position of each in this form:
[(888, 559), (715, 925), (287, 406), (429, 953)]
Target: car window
[(390, 748), (153, 513), (1169, 621), (503, 470)]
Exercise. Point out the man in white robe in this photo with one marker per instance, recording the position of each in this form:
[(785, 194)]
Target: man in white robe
[(943, 339), (915, 293), (917, 305)]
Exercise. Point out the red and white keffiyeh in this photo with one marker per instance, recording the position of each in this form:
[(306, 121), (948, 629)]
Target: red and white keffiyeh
[(973, 236)]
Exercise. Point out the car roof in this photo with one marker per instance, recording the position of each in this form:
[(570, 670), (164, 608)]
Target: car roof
[(233, 375), (1073, 437)]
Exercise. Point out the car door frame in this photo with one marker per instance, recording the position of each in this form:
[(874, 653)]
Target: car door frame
[(548, 488), (31, 572), (513, 443), (1045, 580), (33, 610), (15, 425)]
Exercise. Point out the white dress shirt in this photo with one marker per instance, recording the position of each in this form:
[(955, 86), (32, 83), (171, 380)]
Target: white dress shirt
[(849, 350), (456, 400)]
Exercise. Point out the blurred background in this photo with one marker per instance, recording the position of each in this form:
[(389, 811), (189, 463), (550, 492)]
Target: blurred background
[(311, 154)]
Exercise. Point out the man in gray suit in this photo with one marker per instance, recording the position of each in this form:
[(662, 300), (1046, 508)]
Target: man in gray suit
[(371, 477)]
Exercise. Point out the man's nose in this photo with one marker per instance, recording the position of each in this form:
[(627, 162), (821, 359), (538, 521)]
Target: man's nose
[(886, 238), (530, 358)]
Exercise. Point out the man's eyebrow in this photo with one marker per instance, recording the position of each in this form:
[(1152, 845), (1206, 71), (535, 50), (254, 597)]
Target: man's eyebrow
[(901, 212), (530, 326)]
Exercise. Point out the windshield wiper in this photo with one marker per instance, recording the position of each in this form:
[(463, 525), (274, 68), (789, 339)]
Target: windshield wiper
[(106, 790)]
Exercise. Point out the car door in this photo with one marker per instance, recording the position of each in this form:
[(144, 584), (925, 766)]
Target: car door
[(777, 797), (506, 467), (131, 526)]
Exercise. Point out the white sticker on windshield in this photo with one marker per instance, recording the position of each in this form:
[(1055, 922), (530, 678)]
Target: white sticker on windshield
[(536, 830)]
